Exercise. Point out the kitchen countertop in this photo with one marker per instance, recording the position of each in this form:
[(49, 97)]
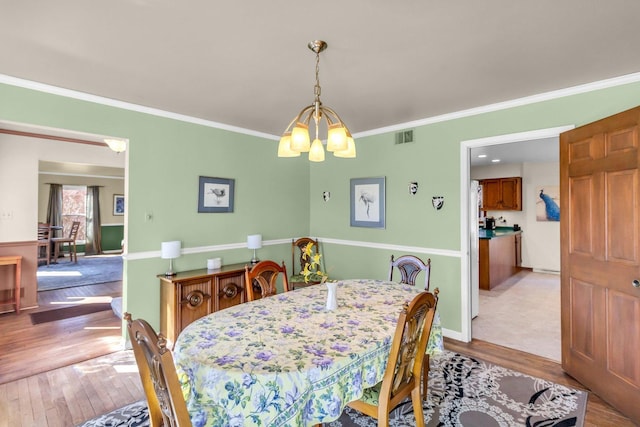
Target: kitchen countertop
[(483, 233)]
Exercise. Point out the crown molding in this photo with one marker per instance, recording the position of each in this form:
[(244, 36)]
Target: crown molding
[(546, 96)]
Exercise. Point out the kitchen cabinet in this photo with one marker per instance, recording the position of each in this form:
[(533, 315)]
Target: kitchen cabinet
[(500, 257), (501, 194), (190, 295)]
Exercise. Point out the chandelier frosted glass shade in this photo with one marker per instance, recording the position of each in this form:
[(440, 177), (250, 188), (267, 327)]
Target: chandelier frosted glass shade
[(284, 148), (296, 138)]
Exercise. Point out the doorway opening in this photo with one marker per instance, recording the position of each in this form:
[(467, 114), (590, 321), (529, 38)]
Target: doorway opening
[(514, 147)]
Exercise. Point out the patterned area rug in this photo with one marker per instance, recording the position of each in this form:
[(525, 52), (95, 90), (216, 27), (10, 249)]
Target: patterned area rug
[(464, 391), (87, 271)]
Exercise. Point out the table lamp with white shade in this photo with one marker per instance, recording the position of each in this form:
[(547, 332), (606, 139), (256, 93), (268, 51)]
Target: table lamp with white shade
[(254, 241), (170, 250)]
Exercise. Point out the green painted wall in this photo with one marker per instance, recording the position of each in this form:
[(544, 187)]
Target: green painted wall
[(166, 157), (112, 237), (433, 160), (282, 198)]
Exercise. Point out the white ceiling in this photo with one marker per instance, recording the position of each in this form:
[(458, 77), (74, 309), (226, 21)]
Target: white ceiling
[(539, 150), (246, 64)]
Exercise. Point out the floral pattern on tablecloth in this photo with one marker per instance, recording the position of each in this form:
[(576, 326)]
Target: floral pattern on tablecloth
[(287, 361)]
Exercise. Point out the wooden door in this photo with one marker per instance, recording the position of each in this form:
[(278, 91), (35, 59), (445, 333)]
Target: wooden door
[(600, 239)]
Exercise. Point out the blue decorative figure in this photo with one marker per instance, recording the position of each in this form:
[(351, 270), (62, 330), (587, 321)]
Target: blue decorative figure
[(550, 206)]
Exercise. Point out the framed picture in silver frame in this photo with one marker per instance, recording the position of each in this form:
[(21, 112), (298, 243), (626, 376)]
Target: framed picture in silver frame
[(368, 202), (215, 194)]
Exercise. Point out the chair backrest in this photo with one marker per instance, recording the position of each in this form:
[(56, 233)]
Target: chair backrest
[(297, 252), (410, 266), (404, 368), (73, 231), (167, 407), (263, 278), (44, 231)]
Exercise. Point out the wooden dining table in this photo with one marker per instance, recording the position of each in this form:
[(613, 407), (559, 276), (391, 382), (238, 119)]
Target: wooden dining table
[(286, 360)]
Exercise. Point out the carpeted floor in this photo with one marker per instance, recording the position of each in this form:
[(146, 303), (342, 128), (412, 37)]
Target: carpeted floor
[(463, 391), (88, 270)]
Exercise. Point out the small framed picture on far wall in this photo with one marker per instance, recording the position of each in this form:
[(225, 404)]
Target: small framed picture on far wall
[(118, 204)]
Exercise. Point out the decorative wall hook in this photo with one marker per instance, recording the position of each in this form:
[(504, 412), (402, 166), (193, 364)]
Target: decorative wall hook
[(438, 202), (413, 188), (326, 195)]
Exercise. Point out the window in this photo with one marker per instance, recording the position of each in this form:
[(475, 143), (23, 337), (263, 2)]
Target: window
[(74, 208)]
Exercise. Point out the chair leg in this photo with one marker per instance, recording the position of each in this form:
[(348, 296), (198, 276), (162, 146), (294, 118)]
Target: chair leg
[(425, 376)]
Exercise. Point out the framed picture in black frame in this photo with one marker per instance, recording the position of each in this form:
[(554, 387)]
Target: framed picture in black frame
[(368, 202), (215, 194)]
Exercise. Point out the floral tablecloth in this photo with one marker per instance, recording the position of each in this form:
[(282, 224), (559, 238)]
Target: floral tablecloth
[(287, 361)]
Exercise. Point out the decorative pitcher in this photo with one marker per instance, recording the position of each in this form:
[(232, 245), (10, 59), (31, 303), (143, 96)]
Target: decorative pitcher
[(332, 296)]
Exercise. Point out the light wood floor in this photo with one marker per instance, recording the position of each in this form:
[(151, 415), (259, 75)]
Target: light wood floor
[(69, 395)]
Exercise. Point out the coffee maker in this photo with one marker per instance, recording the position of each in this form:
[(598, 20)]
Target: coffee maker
[(490, 223)]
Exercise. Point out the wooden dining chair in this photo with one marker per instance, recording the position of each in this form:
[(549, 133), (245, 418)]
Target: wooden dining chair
[(261, 280), (410, 266), (299, 262), (70, 241), (403, 373), (158, 375), (44, 242)]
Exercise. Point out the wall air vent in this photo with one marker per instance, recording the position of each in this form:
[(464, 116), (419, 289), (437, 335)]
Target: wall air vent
[(404, 137)]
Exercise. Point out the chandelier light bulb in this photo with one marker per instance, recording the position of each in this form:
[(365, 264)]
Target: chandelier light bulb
[(300, 138), (316, 153), (350, 152), (337, 138), (284, 147)]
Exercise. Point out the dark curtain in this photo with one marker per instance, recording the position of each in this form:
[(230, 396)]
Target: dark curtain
[(54, 207), (93, 245)]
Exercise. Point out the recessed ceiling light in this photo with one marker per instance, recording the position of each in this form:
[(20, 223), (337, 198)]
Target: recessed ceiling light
[(482, 156), (495, 160)]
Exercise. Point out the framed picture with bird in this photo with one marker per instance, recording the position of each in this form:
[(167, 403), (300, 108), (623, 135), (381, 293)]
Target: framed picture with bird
[(548, 203), (215, 194), (368, 202)]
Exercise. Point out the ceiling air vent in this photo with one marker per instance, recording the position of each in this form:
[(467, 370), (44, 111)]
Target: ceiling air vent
[(404, 137)]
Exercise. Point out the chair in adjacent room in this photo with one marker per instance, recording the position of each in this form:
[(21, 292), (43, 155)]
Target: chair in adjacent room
[(296, 280), (44, 242), (410, 266), (158, 375), (402, 376), (261, 279), (70, 241)]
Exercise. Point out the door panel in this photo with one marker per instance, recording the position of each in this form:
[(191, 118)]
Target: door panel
[(600, 235)]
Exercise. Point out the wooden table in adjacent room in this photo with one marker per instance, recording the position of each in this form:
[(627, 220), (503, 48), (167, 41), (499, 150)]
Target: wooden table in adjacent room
[(286, 360), (17, 261)]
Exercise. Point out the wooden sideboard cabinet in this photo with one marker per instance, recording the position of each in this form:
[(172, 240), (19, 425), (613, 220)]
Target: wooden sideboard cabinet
[(500, 194), (190, 295)]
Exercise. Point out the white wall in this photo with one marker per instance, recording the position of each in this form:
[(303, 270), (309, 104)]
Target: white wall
[(540, 240), (19, 157)]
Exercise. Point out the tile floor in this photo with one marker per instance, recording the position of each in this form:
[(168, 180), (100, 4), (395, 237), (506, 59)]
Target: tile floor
[(522, 313)]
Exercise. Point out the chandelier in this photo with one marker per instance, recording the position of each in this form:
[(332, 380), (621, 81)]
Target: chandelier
[(296, 140)]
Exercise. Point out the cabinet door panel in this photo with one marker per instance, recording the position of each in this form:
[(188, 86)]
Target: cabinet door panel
[(230, 290), (491, 194), (194, 298)]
